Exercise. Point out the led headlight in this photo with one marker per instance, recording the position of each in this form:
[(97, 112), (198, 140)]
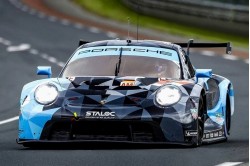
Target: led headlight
[(168, 95), (46, 93)]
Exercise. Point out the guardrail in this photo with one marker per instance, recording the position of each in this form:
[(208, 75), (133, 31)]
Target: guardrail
[(217, 16)]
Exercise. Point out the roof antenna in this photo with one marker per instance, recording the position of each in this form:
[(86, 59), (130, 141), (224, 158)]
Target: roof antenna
[(137, 20), (128, 40), (188, 45), (128, 28)]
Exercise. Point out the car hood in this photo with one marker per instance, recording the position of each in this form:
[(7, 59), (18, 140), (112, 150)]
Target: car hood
[(111, 91)]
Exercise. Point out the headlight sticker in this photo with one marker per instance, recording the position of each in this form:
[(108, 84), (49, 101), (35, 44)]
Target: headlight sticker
[(46, 93), (168, 95)]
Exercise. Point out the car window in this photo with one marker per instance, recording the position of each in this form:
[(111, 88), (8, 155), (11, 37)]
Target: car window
[(139, 61), (188, 67)]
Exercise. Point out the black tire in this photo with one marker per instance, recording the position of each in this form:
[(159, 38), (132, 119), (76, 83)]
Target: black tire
[(200, 122), (228, 115)]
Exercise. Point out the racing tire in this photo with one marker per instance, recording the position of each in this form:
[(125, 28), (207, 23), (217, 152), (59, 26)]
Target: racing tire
[(228, 115), (200, 123)]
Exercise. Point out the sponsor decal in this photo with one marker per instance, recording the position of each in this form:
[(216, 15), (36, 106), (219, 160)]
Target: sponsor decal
[(126, 49), (194, 113), (190, 133), (163, 80), (214, 134), (128, 83), (71, 78), (219, 118), (100, 115)]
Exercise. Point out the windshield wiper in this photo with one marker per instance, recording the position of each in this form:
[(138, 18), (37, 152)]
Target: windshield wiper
[(118, 64)]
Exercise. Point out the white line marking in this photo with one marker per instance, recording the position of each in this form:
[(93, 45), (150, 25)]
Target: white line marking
[(94, 30), (44, 56), (112, 35), (41, 15), (25, 8), (229, 164), (34, 51), (21, 47), (52, 18), (12, 1), (52, 59), (65, 22), (32, 11), (208, 53), (79, 26), (16, 4), (61, 64), (230, 57), (6, 42), (9, 120)]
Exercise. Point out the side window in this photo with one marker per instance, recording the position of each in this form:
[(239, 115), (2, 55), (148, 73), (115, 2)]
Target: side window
[(185, 67), (188, 63)]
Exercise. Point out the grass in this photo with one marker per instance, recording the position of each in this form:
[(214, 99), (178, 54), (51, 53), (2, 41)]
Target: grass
[(114, 9)]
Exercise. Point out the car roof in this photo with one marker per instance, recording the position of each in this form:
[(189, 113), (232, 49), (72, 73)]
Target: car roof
[(143, 43)]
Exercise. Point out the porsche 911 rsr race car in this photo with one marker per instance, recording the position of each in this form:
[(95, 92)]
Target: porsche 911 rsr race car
[(128, 91)]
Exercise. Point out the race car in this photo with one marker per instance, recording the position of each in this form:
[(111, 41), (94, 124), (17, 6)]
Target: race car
[(128, 91)]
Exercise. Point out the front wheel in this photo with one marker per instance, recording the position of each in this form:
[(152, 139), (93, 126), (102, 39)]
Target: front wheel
[(228, 115), (200, 123)]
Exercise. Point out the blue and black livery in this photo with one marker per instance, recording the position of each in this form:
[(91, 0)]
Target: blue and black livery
[(90, 101)]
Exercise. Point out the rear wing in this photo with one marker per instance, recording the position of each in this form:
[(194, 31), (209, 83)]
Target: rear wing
[(190, 44)]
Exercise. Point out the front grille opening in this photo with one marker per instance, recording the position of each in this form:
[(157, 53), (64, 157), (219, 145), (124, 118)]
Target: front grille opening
[(60, 132), (105, 131), (100, 131)]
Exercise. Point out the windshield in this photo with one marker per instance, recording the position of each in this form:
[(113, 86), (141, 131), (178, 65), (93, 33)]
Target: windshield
[(135, 61)]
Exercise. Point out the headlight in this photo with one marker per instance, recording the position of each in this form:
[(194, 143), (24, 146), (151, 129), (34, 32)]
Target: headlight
[(168, 95), (46, 93)]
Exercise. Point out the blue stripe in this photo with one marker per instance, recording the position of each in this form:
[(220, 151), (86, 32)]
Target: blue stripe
[(231, 92)]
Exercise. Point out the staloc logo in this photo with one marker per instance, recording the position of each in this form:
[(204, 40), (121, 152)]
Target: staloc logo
[(100, 115)]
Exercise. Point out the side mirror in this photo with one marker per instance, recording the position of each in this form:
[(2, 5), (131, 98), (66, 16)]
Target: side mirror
[(44, 70), (203, 73)]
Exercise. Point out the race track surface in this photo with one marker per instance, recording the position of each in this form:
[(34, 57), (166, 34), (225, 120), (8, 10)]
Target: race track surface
[(29, 38)]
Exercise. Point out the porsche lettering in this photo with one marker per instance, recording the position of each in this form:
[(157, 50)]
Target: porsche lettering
[(126, 49)]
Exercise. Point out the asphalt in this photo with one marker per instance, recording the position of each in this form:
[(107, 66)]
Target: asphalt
[(51, 42)]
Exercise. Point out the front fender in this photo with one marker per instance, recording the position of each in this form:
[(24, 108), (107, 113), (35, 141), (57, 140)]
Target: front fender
[(218, 112)]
